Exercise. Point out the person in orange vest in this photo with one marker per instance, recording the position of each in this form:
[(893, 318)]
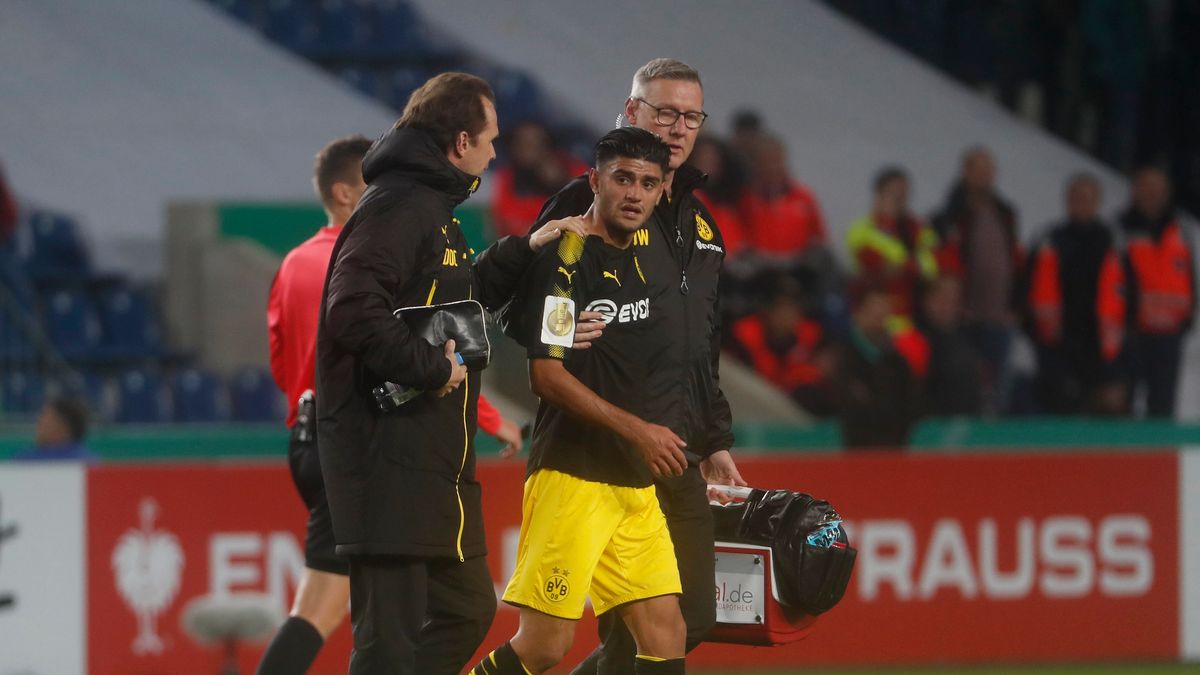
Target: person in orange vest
[(1162, 289), (892, 247), (786, 348), (1075, 309)]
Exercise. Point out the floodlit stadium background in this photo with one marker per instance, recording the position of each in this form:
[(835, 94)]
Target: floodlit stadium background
[(159, 158)]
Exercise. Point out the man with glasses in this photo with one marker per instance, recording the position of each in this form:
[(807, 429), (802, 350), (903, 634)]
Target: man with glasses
[(683, 244)]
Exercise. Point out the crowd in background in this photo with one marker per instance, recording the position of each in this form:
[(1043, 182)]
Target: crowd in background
[(925, 316), (1118, 78)]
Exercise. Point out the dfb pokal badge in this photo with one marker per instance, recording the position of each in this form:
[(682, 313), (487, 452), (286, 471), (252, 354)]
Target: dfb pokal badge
[(558, 321)]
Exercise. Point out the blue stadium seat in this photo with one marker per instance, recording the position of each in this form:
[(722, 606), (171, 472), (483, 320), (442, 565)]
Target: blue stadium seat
[(291, 24), (402, 82), (196, 395), (364, 80), (15, 345), (254, 397), (397, 33), (57, 251), (21, 392), (71, 322), (518, 97), (342, 30), (141, 398), (129, 321)]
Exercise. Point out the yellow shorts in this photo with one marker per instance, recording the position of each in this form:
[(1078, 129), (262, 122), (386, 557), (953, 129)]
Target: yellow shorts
[(581, 538)]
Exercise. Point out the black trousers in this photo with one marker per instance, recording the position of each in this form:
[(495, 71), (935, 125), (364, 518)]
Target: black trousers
[(1156, 368), (418, 615), (684, 502)]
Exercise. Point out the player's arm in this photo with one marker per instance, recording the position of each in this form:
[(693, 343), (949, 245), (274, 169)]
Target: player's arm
[(275, 332), (657, 445)]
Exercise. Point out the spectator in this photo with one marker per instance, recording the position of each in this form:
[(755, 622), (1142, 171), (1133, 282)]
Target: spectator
[(876, 391), (978, 233), (1162, 289), (61, 428), (786, 348), (722, 188), (747, 131), (782, 216), (1075, 309), (892, 248), (8, 210), (954, 385), (535, 170)]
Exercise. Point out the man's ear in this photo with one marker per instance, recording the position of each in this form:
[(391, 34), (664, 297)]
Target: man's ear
[(631, 106), (594, 180), (461, 142), (340, 193)]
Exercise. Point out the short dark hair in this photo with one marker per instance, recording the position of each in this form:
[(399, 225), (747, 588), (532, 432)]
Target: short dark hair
[(1083, 177), (74, 414), (340, 161), (888, 174), (634, 143), (447, 104)]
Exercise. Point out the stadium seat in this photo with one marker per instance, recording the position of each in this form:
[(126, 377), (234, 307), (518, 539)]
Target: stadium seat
[(254, 397), (129, 321), (140, 398), (196, 395), (342, 31), (57, 251), (71, 322), (21, 392), (402, 82), (290, 23)]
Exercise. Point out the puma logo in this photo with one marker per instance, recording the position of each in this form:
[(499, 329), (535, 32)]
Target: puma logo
[(612, 275), (566, 274)]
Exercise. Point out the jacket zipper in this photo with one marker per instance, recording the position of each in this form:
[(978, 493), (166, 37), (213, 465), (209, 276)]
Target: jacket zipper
[(432, 290), (462, 512)]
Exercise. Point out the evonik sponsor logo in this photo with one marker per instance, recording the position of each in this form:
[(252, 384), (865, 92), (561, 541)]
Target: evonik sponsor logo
[(626, 313), (705, 246), (1060, 557)]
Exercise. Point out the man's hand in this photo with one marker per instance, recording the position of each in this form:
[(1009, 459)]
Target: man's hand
[(719, 469), (457, 371), (659, 448), (554, 229), (588, 329), (510, 435)]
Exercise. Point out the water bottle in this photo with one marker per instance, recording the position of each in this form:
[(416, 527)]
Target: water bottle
[(390, 396), (827, 532)]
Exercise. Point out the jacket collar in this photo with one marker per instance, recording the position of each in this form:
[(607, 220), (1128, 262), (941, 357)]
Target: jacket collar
[(413, 154)]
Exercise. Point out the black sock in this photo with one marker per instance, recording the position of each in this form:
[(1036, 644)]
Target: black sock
[(502, 661), (292, 650), (648, 665)]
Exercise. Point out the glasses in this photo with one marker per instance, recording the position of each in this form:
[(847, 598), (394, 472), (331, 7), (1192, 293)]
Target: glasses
[(665, 117)]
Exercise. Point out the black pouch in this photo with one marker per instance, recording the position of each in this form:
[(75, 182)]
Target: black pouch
[(809, 577)]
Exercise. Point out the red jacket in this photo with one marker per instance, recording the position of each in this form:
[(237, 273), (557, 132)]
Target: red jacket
[(789, 371), (292, 311), (788, 223)]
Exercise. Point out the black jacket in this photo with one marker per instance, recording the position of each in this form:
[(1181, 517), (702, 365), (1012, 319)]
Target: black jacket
[(683, 393), (403, 483)]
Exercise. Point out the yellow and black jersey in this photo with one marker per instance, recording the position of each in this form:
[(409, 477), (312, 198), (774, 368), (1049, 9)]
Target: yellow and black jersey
[(591, 275)]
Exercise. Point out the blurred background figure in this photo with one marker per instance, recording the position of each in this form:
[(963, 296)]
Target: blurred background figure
[(892, 248), (876, 389), (62, 427), (954, 386), (535, 169), (1162, 289), (1075, 309), (786, 348), (979, 243), (720, 193)]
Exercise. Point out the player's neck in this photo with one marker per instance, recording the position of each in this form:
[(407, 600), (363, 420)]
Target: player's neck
[(611, 234)]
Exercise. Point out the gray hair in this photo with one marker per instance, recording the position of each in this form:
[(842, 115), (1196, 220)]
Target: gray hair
[(663, 69)]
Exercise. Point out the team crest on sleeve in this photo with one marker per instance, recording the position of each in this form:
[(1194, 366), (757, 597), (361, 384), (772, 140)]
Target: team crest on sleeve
[(558, 321), (703, 229)]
